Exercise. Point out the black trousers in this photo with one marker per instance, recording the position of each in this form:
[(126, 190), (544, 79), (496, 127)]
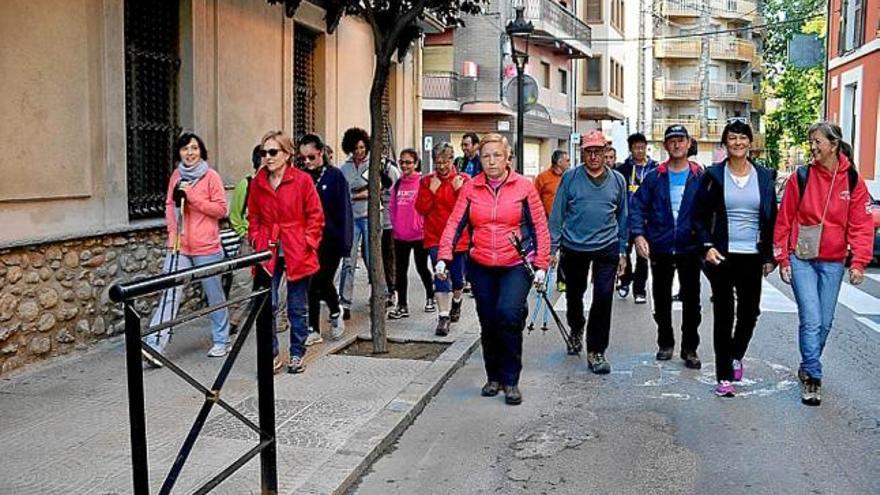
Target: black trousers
[(402, 250), (736, 291), (639, 277), (322, 288), (576, 265), (663, 268), (388, 259)]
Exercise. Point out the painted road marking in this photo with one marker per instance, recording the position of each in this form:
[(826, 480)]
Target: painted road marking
[(873, 325), (774, 300), (858, 301)]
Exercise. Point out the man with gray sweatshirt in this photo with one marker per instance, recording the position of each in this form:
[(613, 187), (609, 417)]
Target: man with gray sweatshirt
[(588, 228)]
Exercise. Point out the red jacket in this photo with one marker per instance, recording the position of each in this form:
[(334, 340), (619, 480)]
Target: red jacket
[(291, 214), (437, 206), (847, 223), (492, 216)]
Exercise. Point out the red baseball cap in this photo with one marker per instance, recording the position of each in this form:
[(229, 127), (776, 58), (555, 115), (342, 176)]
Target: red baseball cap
[(594, 139)]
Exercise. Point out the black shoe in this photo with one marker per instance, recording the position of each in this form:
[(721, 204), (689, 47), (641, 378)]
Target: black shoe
[(346, 314), (575, 344), (467, 288), (622, 291), (691, 360), (811, 392), (296, 366), (455, 311), (490, 389), (233, 329), (512, 395), (398, 313), (598, 364), (664, 354), (442, 326), (640, 299)]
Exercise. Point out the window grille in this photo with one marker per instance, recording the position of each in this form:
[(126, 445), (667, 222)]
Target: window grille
[(152, 63), (304, 43)]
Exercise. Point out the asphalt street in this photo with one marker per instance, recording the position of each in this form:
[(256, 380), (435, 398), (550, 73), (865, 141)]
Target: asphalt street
[(658, 428)]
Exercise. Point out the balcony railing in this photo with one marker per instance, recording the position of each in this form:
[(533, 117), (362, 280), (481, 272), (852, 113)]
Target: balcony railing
[(665, 89), (448, 87), (732, 49), (551, 18), (677, 48), (734, 9), (731, 91), (714, 128), (681, 8), (658, 127)]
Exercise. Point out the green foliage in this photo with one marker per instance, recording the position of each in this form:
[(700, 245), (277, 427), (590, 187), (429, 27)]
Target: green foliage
[(799, 90)]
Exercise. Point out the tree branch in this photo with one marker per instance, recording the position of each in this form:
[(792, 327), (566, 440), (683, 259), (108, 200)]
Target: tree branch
[(370, 15), (405, 20)]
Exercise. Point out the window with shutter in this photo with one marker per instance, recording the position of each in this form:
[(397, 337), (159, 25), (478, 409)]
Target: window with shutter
[(152, 63), (593, 75), (304, 43), (594, 11)]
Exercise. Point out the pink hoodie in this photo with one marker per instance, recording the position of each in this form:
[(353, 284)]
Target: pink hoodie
[(406, 222)]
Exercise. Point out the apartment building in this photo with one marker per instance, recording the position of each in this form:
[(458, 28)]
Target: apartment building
[(608, 81), (852, 91), (702, 81), (467, 72)]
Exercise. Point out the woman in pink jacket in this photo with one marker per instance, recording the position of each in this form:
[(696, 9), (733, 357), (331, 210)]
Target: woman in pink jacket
[(408, 229), (495, 205), (195, 195)]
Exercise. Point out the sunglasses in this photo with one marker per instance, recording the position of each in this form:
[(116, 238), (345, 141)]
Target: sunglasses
[(406, 162), (310, 158), (270, 152)]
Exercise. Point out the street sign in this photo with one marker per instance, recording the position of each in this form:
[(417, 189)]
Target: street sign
[(429, 143), (575, 138), (805, 51), (530, 90)]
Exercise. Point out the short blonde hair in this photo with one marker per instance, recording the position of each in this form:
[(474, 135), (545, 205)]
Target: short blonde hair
[(495, 138), (283, 140)]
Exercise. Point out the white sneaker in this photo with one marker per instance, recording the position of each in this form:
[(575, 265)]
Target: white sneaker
[(218, 350), (337, 326), (313, 338)]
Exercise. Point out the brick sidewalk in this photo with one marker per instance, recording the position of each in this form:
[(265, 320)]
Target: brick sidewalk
[(65, 424)]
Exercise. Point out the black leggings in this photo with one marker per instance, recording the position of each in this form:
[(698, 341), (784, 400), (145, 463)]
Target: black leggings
[(322, 288), (401, 261)]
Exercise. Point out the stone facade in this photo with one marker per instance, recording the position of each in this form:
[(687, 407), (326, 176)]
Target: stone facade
[(54, 296)]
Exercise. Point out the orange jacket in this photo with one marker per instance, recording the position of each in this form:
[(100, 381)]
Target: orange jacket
[(547, 182)]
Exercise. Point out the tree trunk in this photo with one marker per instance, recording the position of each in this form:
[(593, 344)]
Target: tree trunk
[(377, 272)]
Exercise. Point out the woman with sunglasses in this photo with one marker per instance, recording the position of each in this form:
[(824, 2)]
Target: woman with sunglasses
[(286, 218), (195, 197), (336, 240), (495, 206), (736, 211), (408, 227)]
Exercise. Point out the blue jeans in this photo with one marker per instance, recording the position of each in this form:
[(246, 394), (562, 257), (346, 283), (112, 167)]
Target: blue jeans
[(297, 311), (455, 280), (170, 302), (816, 285), (360, 239), (501, 295)]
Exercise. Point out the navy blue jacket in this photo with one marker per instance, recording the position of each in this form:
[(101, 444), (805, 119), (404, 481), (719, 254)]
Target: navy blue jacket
[(651, 215), (633, 181), (338, 220), (710, 223)]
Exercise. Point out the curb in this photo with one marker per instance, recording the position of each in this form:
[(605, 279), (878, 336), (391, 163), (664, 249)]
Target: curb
[(345, 466)]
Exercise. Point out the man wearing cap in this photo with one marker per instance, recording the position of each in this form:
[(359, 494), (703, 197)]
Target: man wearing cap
[(660, 225), (588, 229), (634, 169)]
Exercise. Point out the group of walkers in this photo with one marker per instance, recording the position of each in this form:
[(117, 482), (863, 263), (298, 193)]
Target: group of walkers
[(481, 223)]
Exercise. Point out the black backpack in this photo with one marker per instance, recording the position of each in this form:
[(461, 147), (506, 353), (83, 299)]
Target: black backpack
[(803, 173)]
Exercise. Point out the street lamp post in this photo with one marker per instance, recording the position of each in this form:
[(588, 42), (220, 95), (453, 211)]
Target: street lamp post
[(519, 27)]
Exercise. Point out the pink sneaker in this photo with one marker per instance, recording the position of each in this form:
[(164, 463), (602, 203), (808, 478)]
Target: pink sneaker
[(725, 389), (738, 370)]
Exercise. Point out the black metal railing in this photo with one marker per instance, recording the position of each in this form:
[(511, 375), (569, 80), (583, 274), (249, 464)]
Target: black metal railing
[(135, 348), (566, 24)]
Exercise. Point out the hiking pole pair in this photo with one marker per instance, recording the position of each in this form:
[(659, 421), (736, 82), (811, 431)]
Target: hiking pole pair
[(540, 307), (175, 261), (563, 330)]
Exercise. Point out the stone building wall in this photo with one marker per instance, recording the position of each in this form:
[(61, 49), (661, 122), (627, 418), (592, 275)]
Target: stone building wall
[(54, 297)]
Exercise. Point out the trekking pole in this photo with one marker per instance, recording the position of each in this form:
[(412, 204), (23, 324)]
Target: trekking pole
[(537, 309), (175, 261), (563, 330), (549, 289)]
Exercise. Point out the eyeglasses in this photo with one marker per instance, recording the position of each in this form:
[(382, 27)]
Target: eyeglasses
[(406, 162), (271, 152), (594, 152), (310, 158)]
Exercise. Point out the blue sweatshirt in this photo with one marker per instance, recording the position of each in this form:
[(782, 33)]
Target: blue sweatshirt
[(587, 217)]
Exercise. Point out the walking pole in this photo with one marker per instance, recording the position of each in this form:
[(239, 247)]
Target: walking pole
[(538, 302), (563, 330), (549, 289), (175, 260)]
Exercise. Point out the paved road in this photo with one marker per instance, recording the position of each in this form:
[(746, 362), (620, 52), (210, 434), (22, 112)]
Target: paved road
[(652, 428)]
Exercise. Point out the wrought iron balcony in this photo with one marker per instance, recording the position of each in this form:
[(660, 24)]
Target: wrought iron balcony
[(556, 26)]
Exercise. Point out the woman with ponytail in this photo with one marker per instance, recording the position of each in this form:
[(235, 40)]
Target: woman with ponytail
[(823, 220)]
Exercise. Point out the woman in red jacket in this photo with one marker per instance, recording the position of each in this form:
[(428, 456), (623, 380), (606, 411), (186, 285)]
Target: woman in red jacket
[(285, 216), (435, 201), (823, 218), (496, 204)]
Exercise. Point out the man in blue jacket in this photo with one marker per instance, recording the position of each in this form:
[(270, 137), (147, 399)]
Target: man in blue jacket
[(660, 224)]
